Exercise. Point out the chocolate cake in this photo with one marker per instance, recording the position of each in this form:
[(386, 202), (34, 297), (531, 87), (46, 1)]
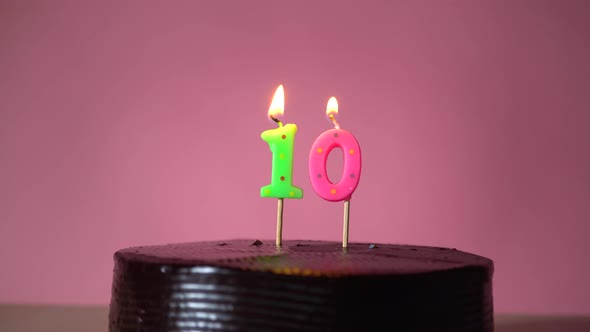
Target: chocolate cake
[(251, 285)]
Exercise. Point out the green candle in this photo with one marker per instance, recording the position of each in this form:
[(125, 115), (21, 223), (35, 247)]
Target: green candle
[(281, 141)]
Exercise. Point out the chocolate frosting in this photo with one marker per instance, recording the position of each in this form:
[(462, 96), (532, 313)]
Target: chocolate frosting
[(251, 285)]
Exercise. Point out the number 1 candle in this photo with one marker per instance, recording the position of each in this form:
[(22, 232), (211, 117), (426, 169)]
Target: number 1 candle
[(318, 157), (281, 141)]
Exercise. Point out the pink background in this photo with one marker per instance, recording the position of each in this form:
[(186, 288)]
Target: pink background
[(133, 123)]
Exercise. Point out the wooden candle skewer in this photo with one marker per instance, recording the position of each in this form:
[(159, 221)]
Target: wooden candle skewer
[(346, 223), (279, 240)]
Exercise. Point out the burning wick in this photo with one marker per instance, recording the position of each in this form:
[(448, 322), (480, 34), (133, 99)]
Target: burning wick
[(276, 120)]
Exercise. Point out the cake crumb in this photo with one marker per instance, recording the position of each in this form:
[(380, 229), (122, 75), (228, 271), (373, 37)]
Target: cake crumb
[(257, 243)]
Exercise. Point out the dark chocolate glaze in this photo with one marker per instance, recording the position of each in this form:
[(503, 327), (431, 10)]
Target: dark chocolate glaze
[(250, 285)]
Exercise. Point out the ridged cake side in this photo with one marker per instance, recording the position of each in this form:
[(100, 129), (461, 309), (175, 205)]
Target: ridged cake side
[(248, 285)]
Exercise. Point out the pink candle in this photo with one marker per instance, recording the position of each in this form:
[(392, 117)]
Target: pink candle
[(318, 157)]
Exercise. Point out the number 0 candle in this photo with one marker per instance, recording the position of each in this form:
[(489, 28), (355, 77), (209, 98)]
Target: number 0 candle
[(318, 157), (281, 141)]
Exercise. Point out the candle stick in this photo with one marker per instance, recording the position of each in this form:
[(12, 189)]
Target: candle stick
[(318, 157), (281, 141)]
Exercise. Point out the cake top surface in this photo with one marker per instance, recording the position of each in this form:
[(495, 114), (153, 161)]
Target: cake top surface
[(307, 258)]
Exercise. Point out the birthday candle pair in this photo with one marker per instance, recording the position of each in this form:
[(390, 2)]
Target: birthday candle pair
[(281, 141)]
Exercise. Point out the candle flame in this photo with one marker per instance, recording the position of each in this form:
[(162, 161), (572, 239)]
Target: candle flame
[(332, 110), (277, 106)]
